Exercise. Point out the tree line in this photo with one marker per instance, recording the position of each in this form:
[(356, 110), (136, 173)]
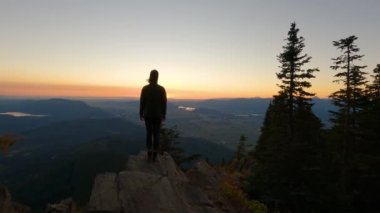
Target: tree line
[(299, 166)]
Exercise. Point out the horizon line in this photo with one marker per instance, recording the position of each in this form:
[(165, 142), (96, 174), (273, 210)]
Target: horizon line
[(130, 97)]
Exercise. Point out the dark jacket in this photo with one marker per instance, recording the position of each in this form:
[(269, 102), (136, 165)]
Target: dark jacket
[(153, 101)]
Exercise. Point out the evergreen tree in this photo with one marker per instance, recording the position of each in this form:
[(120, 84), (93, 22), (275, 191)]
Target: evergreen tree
[(349, 98), (169, 143), (374, 96), (286, 168), (294, 78), (374, 87), (368, 176), (350, 101), (371, 117), (241, 148), (359, 97)]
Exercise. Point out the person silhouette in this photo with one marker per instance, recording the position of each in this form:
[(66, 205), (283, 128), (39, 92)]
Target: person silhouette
[(153, 111)]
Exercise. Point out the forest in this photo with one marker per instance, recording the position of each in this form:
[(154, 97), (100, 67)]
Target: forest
[(298, 165)]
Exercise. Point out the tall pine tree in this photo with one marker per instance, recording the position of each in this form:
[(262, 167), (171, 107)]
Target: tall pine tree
[(374, 97), (349, 98), (374, 87), (284, 172), (364, 174), (294, 79), (350, 101)]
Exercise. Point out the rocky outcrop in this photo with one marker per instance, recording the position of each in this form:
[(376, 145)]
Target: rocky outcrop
[(6, 204), (152, 187), (105, 193), (65, 206)]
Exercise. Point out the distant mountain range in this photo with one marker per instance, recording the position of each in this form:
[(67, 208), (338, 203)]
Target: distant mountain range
[(253, 105), (54, 110), (219, 120), (234, 105), (57, 108)]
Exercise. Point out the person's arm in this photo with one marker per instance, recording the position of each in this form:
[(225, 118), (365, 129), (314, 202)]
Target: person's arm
[(164, 103), (142, 104)]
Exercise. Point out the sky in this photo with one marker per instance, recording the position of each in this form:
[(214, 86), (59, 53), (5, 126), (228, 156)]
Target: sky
[(201, 48)]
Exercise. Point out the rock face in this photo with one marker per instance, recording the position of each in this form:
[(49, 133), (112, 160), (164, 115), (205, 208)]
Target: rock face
[(151, 187), (65, 206), (6, 204), (105, 193)]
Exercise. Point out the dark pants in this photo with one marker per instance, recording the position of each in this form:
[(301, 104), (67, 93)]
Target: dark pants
[(153, 126)]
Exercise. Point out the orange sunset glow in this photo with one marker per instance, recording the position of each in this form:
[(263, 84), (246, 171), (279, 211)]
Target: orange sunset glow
[(45, 90)]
